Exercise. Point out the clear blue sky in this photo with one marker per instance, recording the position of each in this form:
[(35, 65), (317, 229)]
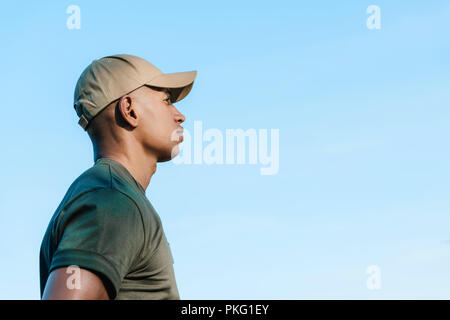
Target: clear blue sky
[(363, 117)]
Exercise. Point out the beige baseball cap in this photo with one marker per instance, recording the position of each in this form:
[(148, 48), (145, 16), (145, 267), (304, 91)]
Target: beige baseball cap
[(109, 78)]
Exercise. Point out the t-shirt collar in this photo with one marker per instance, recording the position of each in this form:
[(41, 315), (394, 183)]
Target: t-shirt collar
[(123, 172)]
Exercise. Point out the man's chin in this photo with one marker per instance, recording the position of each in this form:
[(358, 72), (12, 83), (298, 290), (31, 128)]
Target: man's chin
[(175, 151), (169, 156)]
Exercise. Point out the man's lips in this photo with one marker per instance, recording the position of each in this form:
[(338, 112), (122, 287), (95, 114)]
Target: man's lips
[(180, 134)]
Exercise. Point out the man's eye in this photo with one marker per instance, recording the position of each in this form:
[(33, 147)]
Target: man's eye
[(169, 102)]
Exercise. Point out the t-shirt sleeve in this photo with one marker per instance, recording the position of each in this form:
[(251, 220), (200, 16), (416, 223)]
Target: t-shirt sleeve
[(103, 232)]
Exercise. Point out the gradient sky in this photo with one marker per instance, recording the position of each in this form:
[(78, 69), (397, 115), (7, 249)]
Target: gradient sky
[(363, 117)]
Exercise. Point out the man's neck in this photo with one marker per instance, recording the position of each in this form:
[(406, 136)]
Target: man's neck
[(141, 166)]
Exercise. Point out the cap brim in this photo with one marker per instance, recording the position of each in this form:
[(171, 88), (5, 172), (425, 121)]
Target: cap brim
[(179, 83)]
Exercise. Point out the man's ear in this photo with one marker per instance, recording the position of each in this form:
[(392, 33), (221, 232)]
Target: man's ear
[(127, 111)]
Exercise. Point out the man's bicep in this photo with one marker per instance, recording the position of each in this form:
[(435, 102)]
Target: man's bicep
[(74, 283)]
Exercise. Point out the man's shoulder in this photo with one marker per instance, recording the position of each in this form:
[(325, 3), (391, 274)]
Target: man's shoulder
[(98, 190), (99, 179), (105, 197), (95, 186), (95, 178)]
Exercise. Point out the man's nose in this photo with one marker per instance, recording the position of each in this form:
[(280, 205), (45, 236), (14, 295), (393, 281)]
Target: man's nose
[(179, 117)]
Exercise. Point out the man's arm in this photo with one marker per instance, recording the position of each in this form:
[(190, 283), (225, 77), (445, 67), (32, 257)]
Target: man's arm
[(102, 223), (70, 283)]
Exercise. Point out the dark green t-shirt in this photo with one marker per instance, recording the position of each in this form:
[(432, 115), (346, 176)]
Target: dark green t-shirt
[(106, 224)]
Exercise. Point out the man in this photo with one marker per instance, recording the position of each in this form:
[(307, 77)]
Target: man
[(105, 240)]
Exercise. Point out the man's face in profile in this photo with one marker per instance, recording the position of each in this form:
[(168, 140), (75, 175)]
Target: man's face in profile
[(159, 125)]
